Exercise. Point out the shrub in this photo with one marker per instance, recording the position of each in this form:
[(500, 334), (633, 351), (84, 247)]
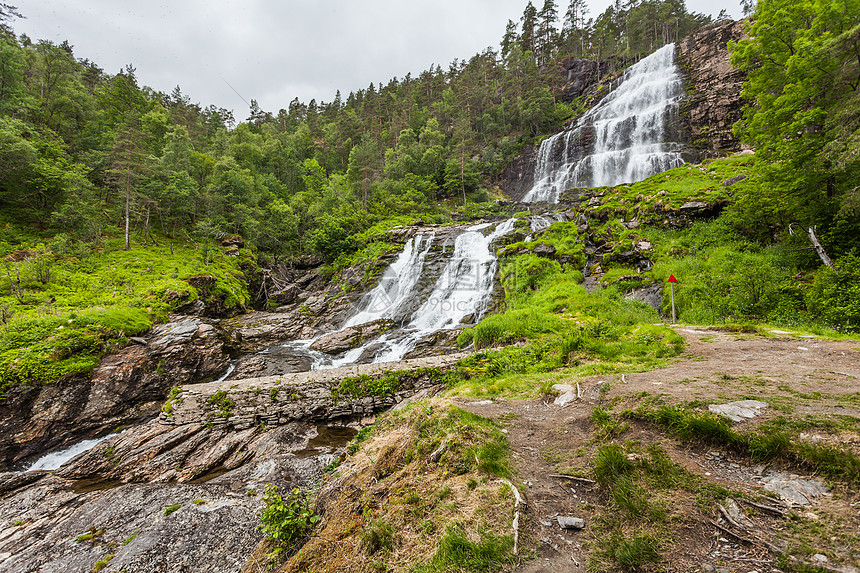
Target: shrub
[(286, 518), (835, 295)]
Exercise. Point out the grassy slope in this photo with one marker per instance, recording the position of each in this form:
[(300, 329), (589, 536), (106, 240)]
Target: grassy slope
[(90, 300)]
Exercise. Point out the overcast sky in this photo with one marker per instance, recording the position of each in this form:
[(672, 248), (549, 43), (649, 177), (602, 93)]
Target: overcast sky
[(274, 51)]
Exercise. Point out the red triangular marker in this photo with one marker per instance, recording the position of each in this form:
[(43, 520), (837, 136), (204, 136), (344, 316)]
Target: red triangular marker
[(672, 279)]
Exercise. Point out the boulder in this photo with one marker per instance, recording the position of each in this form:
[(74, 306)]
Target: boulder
[(352, 336), (732, 180), (286, 295)]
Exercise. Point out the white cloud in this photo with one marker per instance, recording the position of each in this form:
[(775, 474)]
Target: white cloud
[(274, 51)]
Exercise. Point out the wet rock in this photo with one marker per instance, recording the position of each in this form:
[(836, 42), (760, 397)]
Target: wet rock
[(740, 410), (213, 527), (352, 337), (212, 530), (127, 386), (439, 343), (254, 331)]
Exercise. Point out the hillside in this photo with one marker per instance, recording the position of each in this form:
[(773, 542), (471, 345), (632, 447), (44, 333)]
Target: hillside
[(348, 336)]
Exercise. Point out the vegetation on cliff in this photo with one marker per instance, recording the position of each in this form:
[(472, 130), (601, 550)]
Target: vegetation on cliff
[(67, 303)]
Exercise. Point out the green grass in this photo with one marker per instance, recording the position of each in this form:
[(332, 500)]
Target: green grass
[(567, 329), (652, 199), (642, 487), (470, 441), (774, 440), (95, 298), (457, 552)]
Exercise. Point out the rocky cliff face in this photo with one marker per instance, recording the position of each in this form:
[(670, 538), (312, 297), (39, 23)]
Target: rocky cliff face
[(582, 75), (126, 387), (707, 115), (714, 103)]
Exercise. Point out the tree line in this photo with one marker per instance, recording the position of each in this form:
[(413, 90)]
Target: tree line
[(83, 151)]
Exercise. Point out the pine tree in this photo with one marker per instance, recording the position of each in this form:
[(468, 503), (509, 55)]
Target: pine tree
[(509, 39), (529, 25), (545, 35)]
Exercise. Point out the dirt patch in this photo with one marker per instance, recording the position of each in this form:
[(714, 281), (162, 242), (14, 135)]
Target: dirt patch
[(798, 378)]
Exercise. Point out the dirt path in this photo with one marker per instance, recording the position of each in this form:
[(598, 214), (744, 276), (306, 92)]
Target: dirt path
[(796, 377)]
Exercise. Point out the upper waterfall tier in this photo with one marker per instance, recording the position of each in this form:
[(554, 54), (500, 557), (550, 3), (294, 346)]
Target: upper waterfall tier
[(623, 139)]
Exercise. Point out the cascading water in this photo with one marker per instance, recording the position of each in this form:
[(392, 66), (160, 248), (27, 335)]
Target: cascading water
[(54, 460), (620, 140), (464, 289), (398, 283)]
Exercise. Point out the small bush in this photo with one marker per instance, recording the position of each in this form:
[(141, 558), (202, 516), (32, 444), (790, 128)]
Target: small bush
[(835, 295), (286, 518)]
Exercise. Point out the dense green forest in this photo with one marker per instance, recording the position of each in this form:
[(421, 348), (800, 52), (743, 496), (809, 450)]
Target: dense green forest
[(81, 147)]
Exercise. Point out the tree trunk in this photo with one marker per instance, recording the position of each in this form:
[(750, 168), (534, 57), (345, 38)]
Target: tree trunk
[(127, 205), (822, 254)]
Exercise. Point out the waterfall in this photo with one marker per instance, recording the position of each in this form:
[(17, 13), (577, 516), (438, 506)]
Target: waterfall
[(54, 460), (621, 139), (466, 283), (462, 291), (398, 283)]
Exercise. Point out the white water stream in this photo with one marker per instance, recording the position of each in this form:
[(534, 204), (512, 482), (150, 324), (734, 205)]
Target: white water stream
[(54, 460), (463, 290), (397, 287), (625, 134)]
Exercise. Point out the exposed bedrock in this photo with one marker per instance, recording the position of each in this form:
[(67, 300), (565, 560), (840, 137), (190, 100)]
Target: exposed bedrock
[(714, 102), (126, 387), (158, 498)]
